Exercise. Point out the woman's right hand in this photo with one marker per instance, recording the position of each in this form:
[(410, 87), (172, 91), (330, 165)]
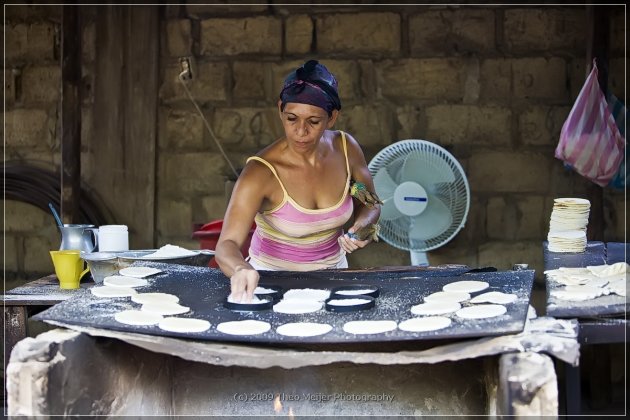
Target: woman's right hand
[(243, 283)]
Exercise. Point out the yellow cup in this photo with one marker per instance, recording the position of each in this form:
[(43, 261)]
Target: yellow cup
[(68, 267)]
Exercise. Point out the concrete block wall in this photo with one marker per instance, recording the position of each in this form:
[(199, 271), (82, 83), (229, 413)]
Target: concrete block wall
[(31, 132), (493, 85)]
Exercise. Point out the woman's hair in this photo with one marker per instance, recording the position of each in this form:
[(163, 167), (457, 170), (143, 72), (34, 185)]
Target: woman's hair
[(311, 84)]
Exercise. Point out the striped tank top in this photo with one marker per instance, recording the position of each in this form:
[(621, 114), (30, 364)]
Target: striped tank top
[(291, 237)]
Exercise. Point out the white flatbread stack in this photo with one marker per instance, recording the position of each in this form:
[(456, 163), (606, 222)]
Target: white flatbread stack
[(567, 226)]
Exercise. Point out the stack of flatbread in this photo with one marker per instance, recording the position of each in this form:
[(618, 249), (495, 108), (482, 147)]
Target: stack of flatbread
[(567, 227)]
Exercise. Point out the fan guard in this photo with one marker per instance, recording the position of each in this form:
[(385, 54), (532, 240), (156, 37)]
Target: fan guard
[(446, 187)]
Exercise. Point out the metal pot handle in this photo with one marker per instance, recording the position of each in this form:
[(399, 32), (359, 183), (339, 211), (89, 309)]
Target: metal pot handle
[(93, 232)]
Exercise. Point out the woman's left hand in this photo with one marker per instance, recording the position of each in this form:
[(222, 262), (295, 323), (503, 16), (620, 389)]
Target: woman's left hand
[(350, 244)]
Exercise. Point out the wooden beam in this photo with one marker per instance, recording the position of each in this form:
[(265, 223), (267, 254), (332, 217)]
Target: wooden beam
[(123, 144), (70, 115), (598, 26)]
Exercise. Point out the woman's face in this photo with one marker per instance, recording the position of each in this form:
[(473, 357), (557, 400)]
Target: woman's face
[(305, 124)]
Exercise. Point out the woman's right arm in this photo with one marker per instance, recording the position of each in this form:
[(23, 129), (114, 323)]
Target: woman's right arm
[(246, 200)]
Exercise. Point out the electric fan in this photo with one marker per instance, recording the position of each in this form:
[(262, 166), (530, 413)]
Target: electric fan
[(425, 196)]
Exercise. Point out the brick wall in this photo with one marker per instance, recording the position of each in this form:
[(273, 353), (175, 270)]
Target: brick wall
[(493, 85), (32, 130)]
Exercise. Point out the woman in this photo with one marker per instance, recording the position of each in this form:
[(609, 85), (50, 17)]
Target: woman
[(297, 190)]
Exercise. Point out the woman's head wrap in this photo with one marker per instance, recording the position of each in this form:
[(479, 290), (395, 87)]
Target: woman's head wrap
[(311, 84)]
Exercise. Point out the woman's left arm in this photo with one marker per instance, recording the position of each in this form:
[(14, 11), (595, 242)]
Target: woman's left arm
[(363, 216)]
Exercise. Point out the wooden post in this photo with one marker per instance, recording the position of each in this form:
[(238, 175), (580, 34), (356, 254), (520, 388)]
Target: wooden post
[(123, 142), (598, 24), (70, 115)]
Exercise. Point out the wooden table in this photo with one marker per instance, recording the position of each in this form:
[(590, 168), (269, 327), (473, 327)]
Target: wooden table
[(600, 321)]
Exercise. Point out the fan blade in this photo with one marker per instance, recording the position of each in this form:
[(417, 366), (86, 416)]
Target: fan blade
[(426, 169), (389, 211), (384, 184), (434, 220)]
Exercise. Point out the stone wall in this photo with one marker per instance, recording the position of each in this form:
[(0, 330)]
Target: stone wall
[(493, 85)]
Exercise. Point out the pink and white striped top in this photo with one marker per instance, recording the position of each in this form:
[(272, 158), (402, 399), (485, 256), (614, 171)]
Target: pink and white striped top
[(291, 237)]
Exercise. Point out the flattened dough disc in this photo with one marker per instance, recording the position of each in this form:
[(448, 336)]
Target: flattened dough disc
[(138, 271), (429, 323), (165, 308), (247, 327), (109, 291), (124, 281), (184, 325), (132, 317), (156, 298), (369, 327), (467, 286), (494, 297), (435, 308), (303, 329), (297, 306), (481, 311)]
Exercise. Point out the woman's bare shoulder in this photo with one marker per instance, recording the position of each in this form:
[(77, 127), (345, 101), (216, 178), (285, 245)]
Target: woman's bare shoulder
[(353, 146)]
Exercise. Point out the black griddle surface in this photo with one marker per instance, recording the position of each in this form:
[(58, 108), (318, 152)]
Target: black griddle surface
[(616, 252), (204, 289), (594, 254)]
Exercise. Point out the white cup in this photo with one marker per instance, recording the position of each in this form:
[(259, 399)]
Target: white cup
[(113, 238)]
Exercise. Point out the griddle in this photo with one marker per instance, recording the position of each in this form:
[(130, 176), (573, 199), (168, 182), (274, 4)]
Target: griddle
[(595, 254), (203, 289), (617, 252)]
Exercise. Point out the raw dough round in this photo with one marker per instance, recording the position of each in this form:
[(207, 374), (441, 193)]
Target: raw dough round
[(578, 293), (369, 327), (255, 300), (435, 308), (297, 306), (139, 271), (430, 323), (447, 297), (156, 298), (122, 281), (618, 287), (467, 286), (347, 302), (303, 329), (165, 308), (481, 311), (494, 297), (109, 291), (307, 294), (247, 327), (184, 325), (351, 292), (132, 317), (263, 291)]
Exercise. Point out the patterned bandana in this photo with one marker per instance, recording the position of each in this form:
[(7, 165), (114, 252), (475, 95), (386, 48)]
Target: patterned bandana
[(311, 84)]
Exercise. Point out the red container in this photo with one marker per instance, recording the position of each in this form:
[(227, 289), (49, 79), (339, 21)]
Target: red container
[(208, 236)]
